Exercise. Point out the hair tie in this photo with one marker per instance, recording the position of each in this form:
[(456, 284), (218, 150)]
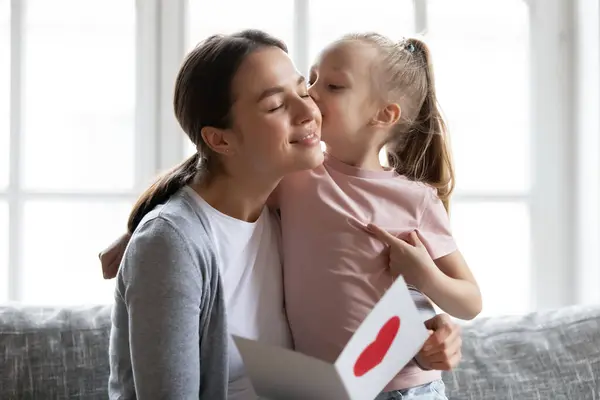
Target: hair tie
[(410, 47)]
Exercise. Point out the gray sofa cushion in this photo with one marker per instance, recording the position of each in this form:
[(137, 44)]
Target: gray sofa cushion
[(48, 353), (548, 355)]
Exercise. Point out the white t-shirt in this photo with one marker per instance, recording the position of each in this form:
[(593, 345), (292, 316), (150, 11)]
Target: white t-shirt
[(249, 259)]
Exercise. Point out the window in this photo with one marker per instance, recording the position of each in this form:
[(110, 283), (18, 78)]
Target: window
[(482, 230), (4, 90), (72, 117), (330, 19), (86, 121), (4, 286), (73, 163), (58, 266), (472, 42), (4, 141), (481, 58), (207, 18)]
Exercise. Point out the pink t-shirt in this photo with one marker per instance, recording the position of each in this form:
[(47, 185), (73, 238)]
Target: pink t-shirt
[(335, 272)]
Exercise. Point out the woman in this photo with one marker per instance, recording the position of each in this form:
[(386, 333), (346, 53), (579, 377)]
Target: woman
[(204, 244)]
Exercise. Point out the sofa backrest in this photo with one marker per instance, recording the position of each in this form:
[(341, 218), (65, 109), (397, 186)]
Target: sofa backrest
[(546, 355), (61, 353), (50, 353)]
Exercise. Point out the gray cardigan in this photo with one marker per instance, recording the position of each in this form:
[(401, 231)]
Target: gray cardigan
[(169, 334)]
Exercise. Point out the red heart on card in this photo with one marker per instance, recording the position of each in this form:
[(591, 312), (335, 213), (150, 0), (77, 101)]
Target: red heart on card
[(375, 352)]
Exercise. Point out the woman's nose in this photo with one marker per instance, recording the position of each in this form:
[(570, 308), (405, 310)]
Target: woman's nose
[(308, 112)]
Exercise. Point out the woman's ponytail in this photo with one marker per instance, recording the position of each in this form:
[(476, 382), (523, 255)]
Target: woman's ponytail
[(164, 187)]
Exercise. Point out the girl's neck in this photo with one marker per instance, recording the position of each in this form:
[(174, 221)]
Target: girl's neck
[(365, 158), (243, 199)]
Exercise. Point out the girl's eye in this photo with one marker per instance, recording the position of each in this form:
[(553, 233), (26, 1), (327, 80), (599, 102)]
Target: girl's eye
[(334, 87), (276, 108)]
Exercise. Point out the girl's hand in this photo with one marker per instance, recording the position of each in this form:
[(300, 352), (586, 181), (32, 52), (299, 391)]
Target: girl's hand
[(407, 258), (110, 258)]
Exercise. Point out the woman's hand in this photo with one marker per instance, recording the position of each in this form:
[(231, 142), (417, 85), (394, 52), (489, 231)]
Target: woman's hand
[(442, 351), (407, 258)]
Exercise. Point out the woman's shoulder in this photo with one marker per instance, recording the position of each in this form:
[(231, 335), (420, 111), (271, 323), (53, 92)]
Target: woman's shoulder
[(177, 224), (182, 213), (162, 253)]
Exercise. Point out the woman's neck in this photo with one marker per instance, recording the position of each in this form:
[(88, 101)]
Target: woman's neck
[(240, 199)]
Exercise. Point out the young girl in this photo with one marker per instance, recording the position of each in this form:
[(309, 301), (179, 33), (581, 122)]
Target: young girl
[(337, 218), (340, 221)]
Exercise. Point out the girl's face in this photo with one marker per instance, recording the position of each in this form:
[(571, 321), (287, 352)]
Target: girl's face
[(341, 84), (276, 124)]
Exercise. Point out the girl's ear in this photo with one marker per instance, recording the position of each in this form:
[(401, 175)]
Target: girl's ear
[(387, 116)]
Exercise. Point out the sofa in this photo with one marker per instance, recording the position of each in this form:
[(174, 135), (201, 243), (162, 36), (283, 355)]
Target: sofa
[(61, 353)]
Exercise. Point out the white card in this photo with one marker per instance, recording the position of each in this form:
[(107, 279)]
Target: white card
[(281, 374), (390, 336), (395, 322)]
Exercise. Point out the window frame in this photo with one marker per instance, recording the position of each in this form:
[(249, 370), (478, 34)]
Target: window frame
[(555, 30), (565, 191), (146, 133)]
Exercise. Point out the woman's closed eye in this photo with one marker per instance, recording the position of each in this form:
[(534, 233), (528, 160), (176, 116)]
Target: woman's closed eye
[(334, 87), (281, 106), (273, 109)]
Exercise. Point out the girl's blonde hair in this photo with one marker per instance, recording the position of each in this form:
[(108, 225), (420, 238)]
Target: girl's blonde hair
[(418, 147)]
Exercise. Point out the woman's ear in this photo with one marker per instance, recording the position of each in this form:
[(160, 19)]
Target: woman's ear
[(218, 140)]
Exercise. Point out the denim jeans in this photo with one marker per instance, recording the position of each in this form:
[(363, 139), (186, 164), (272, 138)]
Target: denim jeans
[(435, 390)]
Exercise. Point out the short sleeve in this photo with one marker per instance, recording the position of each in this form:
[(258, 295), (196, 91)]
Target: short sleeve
[(434, 228)]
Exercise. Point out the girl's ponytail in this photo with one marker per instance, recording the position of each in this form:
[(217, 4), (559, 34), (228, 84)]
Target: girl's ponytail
[(421, 152)]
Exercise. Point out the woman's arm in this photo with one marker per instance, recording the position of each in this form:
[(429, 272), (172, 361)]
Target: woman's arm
[(162, 290), (442, 350)]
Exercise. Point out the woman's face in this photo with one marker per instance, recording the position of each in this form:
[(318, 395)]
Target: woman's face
[(276, 124)]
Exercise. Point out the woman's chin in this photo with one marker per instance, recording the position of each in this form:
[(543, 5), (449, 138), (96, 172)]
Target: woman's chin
[(311, 159)]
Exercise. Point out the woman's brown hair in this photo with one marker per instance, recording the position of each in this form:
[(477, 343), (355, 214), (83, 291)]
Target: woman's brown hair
[(203, 97)]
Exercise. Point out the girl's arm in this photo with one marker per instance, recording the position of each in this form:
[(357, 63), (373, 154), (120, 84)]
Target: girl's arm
[(274, 200), (110, 258), (447, 281), (453, 287)]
